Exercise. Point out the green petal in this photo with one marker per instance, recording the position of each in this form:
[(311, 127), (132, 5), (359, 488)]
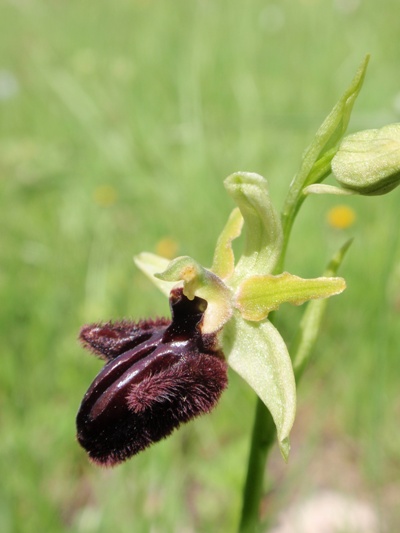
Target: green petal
[(199, 281), (224, 260), (263, 229), (257, 352), (259, 295), (151, 264)]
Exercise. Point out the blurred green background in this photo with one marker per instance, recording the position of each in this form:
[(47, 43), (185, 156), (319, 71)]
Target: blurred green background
[(118, 122)]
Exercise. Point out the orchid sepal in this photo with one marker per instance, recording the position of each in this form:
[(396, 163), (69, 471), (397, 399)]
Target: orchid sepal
[(257, 352)]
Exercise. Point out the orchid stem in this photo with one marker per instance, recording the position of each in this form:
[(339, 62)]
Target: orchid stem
[(263, 437)]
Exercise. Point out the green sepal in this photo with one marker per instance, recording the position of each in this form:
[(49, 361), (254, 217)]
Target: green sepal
[(150, 264), (257, 352), (312, 318), (368, 162), (199, 281), (263, 228), (257, 296), (224, 260)]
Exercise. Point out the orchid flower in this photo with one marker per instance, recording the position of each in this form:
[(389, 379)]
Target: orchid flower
[(241, 295)]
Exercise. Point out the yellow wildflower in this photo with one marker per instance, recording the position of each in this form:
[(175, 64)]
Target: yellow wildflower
[(167, 247), (341, 217), (105, 195)]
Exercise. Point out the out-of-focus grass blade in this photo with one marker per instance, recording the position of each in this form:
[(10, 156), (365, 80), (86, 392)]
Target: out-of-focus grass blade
[(312, 318)]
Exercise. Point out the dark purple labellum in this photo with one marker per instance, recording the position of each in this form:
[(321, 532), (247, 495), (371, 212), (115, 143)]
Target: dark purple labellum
[(159, 374)]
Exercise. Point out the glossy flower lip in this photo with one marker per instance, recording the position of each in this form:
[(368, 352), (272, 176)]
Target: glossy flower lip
[(158, 375)]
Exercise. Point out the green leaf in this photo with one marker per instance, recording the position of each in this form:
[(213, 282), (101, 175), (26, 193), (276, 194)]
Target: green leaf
[(312, 318), (263, 229), (334, 127), (257, 296), (316, 162), (151, 264), (368, 162), (257, 352), (199, 281), (224, 260)]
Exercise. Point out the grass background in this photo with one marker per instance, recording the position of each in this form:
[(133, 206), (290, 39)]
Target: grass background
[(119, 121)]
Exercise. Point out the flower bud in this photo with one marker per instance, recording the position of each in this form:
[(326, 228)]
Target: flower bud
[(158, 375), (368, 162)]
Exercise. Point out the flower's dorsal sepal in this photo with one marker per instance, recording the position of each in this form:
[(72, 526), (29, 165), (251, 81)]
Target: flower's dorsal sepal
[(368, 162), (150, 264), (311, 320), (201, 282), (224, 260), (257, 352), (263, 228), (259, 295), (322, 188)]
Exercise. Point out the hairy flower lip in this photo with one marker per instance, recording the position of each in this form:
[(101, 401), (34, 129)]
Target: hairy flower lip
[(141, 395), (118, 371), (110, 339), (126, 367)]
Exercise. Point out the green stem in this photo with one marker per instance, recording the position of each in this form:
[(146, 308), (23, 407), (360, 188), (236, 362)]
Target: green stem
[(319, 171), (288, 218), (263, 437)]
